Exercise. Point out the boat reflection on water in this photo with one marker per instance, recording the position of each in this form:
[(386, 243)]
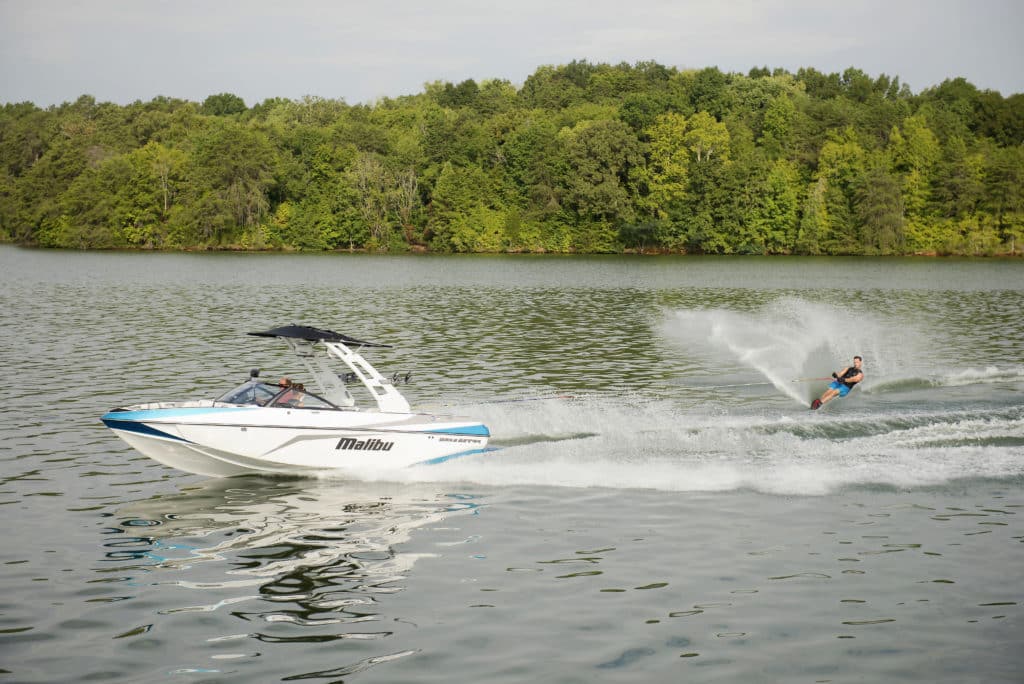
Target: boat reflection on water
[(276, 562), (266, 528), (255, 570)]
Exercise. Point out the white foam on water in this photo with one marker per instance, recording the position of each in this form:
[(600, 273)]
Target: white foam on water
[(990, 375), (599, 443), (965, 377), (664, 443), (791, 339)]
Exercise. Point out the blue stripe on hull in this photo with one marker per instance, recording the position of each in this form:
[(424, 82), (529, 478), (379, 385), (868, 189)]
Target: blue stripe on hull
[(442, 459), (468, 430), (140, 428)]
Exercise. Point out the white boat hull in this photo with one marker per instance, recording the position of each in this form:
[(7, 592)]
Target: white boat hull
[(219, 441)]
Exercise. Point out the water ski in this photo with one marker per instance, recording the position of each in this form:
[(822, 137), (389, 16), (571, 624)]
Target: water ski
[(818, 403)]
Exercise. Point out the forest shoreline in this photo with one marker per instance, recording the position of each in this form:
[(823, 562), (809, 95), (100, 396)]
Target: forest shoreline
[(426, 252), (581, 159)]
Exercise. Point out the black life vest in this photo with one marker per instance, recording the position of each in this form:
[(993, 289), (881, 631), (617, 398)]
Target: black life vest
[(850, 372)]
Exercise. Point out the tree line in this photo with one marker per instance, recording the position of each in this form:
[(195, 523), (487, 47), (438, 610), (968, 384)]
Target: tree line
[(581, 158)]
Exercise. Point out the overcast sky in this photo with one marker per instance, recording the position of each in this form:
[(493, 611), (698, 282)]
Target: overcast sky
[(52, 51)]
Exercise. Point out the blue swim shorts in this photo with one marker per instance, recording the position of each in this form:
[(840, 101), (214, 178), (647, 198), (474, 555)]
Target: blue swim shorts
[(836, 385)]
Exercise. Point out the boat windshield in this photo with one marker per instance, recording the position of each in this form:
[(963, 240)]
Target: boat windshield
[(293, 397), (255, 393), (252, 392)]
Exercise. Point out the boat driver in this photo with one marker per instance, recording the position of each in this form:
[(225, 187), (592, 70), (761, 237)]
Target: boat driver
[(293, 393)]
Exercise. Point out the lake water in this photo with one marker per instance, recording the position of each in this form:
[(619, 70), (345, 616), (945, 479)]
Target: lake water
[(663, 506)]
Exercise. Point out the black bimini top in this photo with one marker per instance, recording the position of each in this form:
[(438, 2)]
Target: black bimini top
[(310, 334)]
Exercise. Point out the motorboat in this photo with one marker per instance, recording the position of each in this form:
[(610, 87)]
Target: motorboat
[(270, 428)]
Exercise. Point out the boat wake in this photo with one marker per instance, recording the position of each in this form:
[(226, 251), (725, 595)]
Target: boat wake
[(656, 445), (747, 426), (990, 375)]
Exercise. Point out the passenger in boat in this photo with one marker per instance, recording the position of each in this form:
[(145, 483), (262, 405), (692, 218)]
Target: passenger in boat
[(842, 382), (293, 396), (288, 393), (282, 384)]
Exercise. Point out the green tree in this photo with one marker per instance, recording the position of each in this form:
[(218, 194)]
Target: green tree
[(879, 210), (666, 173), (776, 217), (8, 221), (1004, 198), (464, 94), (230, 173), (535, 163), (167, 166), (369, 178), (223, 104), (463, 216), (915, 150), (705, 137), (959, 183), (406, 202), (778, 126), (709, 92), (600, 157), (93, 209), (553, 88), (815, 224), (841, 162)]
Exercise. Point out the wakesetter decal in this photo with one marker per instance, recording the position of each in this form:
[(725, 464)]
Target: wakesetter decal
[(353, 444)]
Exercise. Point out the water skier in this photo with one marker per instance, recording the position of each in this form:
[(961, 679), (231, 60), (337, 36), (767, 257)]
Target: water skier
[(842, 382)]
